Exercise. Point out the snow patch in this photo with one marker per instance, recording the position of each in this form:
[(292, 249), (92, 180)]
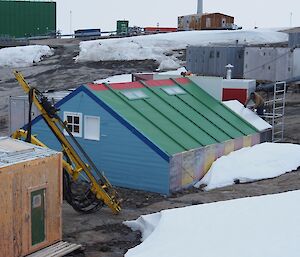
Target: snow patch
[(160, 47), (263, 161), (248, 115), (146, 224), (128, 77), (267, 226), (174, 72), (115, 79), (23, 56)]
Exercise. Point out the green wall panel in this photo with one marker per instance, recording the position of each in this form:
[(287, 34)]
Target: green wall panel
[(27, 18)]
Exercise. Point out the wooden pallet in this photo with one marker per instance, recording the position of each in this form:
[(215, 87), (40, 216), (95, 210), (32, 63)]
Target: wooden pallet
[(57, 250)]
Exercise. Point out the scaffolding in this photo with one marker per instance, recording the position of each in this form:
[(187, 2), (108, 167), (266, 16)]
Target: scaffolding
[(276, 110)]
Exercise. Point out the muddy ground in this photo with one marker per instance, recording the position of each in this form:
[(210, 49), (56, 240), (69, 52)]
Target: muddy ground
[(102, 233), (60, 72)]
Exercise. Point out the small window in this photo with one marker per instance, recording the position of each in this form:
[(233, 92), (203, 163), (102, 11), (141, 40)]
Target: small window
[(134, 94), (91, 127), (74, 123), (174, 90), (218, 54)]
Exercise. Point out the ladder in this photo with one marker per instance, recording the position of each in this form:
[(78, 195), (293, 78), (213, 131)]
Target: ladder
[(275, 116)]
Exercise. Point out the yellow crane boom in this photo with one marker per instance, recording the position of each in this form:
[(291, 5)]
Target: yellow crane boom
[(99, 186)]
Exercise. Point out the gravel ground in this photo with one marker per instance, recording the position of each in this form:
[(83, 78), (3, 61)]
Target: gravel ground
[(102, 233)]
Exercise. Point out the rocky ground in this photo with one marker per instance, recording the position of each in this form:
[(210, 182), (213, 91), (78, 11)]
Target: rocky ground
[(102, 233), (60, 72)]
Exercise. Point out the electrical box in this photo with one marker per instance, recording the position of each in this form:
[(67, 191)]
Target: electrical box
[(30, 197)]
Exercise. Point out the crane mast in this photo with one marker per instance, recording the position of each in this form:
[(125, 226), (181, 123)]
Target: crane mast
[(77, 164)]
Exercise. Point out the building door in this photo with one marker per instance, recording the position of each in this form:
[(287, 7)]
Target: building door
[(38, 233), (208, 22)]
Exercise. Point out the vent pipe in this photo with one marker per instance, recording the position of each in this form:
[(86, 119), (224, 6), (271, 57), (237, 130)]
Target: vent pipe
[(200, 7), (229, 71)]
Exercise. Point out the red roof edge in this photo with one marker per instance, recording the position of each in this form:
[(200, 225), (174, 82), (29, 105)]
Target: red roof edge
[(126, 85), (97, 87), (182, 80), (158, 83), (138, 84)]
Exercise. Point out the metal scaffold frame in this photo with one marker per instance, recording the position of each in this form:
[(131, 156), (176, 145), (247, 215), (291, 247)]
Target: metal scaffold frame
[(276, 111)]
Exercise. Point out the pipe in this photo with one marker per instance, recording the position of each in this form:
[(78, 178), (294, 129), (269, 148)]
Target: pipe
[(270, 86), (200, 7)]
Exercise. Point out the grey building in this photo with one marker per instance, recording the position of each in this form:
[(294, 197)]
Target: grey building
[(268, 63), (294, 39), (260, 63), (211, 60)]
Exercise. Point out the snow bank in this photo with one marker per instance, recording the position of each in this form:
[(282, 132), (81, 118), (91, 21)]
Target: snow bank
[(22, 56), (267, 160), (115, 79), (248, 115), (145, 223), (265, 226), (174, 72), (160, 47), (128, 77)]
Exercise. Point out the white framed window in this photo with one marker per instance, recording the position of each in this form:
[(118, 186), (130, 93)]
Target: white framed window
[(74, 123), (174, 90), (91, 127), (134, 94)]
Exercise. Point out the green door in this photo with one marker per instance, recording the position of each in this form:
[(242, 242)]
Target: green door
[(38, 234)]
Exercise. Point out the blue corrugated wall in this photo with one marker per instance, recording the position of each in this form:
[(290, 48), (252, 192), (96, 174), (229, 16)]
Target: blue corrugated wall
[(125, 159)]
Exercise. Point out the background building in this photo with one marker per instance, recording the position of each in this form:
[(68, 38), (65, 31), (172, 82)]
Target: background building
[(27, 18), (205, 21), (264, 63)]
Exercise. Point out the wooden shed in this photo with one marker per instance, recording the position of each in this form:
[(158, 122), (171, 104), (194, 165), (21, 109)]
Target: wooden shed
[(30, 197), (216, 21)]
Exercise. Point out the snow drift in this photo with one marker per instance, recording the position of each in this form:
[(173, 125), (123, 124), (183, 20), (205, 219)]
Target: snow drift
[(267, 160), (128, 77), (22, 56), (265, 226), (247, 115), (161, 47)]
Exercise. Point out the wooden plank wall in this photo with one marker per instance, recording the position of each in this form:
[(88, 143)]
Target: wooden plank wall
[(16, 183)]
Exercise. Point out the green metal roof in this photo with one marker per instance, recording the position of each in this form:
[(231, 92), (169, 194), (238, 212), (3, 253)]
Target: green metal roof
[(175, 123)]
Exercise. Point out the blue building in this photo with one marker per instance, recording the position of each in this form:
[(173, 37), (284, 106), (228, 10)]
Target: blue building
[(158, 136)]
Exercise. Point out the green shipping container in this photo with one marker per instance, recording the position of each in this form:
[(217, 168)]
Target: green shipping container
[(122, 27), (27, 18)]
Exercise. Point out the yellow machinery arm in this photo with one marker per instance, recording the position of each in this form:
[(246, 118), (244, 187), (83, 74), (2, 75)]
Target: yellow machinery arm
[(73, 164)]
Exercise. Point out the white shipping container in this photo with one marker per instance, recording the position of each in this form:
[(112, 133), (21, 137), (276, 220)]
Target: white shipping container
[(296, 62), (268, 63)]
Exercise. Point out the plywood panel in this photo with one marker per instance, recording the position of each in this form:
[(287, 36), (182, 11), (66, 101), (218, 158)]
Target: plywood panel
[(6, 210), (16, 181)]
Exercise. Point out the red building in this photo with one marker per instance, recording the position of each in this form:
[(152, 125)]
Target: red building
[(154, 30)]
